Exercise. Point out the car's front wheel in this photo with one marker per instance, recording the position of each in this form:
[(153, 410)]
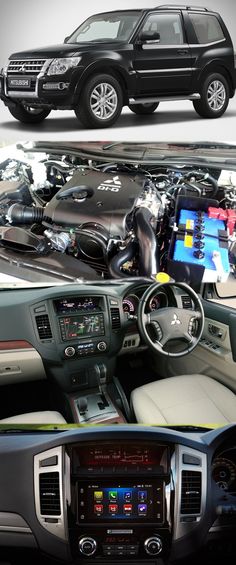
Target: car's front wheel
[(144, 109), (29, 115), (101, 102), (214, 97)]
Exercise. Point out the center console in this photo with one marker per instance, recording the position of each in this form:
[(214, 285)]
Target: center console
[(81, 323), (121, 501)]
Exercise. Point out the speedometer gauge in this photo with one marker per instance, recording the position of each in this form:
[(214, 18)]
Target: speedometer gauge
[(130, 304), (224, 472)]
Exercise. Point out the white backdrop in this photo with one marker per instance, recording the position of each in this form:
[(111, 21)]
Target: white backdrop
[(25, 24)]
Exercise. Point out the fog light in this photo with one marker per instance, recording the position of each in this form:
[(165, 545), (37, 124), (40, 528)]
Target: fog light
[(56, 85)]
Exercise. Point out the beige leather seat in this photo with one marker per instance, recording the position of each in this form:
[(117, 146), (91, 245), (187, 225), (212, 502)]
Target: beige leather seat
[(186, 399), (45, 417)]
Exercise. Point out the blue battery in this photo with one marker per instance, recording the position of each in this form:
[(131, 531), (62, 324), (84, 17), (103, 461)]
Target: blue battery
[(184, 252), (189, 219)]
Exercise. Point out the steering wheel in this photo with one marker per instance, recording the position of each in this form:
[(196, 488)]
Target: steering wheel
[(171, 323)]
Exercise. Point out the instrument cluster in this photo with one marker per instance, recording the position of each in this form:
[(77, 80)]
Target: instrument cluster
[(131, 303), (224, 470)]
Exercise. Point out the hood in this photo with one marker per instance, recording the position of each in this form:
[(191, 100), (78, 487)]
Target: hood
[(61, 50)]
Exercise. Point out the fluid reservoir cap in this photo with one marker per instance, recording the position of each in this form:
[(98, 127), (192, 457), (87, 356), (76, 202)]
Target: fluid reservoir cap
[(162, 278)]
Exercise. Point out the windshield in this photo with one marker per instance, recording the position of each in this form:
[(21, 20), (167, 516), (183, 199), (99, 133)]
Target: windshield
[(116, 26)]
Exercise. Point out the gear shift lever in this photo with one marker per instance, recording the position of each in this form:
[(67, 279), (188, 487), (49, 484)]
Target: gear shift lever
[(101, 374), (82, 405)]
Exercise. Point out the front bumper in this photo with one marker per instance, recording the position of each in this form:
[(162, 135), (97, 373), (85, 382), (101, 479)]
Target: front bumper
[(58, 91)]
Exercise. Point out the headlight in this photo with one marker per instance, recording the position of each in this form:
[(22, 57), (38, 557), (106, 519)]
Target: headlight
[(60, 66)]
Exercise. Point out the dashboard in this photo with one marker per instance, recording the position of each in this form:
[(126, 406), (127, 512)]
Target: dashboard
[(72, 328), (116, 493)]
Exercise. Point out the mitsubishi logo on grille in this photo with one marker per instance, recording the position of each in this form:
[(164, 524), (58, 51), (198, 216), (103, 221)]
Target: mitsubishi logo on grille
[(175, 321), (22, 68)]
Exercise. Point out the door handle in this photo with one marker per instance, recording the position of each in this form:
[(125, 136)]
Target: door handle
[(182, 51)]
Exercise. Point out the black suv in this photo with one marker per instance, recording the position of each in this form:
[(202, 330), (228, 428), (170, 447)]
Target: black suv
[(130, 57)]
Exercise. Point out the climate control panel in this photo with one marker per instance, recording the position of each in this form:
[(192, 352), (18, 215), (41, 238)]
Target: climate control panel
[(84, 349), (110, 544)]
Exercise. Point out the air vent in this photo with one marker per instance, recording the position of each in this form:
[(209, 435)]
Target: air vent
[(186, 302), (115, 318), (49, 491), (43, 326), (191, 492)]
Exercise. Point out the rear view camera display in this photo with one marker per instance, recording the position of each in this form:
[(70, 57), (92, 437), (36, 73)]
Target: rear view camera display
[(135, 503)]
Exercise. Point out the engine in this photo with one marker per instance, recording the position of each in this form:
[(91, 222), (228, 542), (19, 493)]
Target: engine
[(95, 220)]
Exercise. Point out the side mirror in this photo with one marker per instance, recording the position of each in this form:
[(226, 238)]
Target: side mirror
[(66, 39), (149, 37)]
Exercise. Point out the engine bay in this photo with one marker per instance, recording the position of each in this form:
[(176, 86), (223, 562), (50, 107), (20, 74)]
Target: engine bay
[(78, 218)]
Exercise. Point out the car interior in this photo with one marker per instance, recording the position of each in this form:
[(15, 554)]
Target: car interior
[(154, 495), (123, 351)]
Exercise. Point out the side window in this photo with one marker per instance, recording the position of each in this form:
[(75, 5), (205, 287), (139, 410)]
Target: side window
[(225, 293), (207, 28), (169, 27)]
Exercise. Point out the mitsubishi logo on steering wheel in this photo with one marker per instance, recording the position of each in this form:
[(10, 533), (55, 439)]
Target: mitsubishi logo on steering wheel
[(175, 320)]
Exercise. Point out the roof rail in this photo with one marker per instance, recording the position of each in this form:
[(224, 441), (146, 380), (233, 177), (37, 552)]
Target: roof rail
[(181, 7)]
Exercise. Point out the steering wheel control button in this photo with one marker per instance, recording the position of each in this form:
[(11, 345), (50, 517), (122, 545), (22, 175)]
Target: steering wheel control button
[(69, 351), (153, 545), (102, 346), (87, 546), (158, 330)]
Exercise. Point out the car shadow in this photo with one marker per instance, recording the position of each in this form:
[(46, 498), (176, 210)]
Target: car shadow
[(61, 124)]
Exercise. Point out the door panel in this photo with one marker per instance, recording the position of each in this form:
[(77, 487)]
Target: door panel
[(164, 67), (214, 355)]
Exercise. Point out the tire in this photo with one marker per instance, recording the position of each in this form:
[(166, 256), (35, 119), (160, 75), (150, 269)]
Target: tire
[(29, 116), (143, 109), (203, 107), (97, 87)]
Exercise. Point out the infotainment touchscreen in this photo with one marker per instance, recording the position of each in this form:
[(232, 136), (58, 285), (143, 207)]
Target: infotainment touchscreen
[(124, 502), (73, 327)]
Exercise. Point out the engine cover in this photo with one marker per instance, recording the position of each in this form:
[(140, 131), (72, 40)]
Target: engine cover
[(109, 198)]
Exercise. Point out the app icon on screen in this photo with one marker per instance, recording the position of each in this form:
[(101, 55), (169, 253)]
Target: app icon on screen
[(112, 495), (142, 495), (127, 508), (98, 495), (128, 496), (98, 508), (142, 509), (113, 508)]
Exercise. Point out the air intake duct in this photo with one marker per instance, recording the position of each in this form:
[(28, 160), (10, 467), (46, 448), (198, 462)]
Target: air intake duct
[(122, 257), (149, 263), (20, 214)]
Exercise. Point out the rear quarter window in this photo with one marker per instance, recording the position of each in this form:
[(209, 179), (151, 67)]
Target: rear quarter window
[(207, 28)]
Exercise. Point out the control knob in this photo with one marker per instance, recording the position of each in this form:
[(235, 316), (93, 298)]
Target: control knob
[(70, 351), (153, 545), (87, 546), (102, 346)]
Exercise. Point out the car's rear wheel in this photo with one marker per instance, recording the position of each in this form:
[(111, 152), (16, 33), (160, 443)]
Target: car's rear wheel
[(101, 102), (144, 109), (214, 97), (29, 115)]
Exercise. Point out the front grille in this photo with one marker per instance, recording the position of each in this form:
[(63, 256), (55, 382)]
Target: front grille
[(33, 67)]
